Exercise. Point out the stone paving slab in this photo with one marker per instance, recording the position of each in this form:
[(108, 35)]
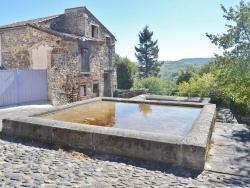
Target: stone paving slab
[(230, 149), (23, 110), (25, 163)]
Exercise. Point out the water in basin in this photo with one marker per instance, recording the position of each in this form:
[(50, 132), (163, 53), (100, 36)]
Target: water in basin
[(170, 120)]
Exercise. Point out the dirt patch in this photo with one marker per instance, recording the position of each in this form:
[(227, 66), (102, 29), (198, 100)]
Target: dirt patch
[(73, 152)]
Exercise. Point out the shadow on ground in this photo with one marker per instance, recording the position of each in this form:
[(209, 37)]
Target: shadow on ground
[(242, 137), (229, 151)]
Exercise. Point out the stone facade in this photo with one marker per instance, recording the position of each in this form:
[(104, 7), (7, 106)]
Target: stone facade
[(75, 48)]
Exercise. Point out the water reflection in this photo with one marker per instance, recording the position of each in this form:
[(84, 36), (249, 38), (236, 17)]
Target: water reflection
[(145, 109)]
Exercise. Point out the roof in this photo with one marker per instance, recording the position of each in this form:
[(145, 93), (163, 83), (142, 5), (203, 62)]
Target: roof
[(33, 21), (67, 36)]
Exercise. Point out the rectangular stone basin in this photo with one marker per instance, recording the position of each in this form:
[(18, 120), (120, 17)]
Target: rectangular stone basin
[(181, 143)]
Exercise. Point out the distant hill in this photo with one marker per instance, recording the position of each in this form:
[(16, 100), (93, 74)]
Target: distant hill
[(198, 61), (170, 69)]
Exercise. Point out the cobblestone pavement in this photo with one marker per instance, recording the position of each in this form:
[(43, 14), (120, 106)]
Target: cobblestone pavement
[(26, 163)]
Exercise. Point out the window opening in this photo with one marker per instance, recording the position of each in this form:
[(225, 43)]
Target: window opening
[(85, 67), (108, 41), (95, 90), (94, 31), (83, 91)]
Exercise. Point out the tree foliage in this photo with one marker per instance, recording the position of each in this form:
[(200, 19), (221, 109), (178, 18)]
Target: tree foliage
[(207, 68), (186, 74), (234, 66), (126, 71), (154, 85), (236, 42), (204, 85), (147, 54)]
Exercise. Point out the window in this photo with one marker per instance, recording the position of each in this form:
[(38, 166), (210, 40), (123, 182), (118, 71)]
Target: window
[(94, 31), (83, 91), (95, 90), (108, 41), (85, 67)]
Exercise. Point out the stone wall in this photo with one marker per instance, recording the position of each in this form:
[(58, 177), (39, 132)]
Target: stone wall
[(65, 72), (79, 21), (18, 43), (75, 21), (22, 46)]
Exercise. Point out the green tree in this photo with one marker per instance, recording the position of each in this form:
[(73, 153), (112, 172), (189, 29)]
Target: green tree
[(203, 86), (154, 85), (234, 66), (186, 74), (236, 42), (147, 54), (126, 71), (207, 68)]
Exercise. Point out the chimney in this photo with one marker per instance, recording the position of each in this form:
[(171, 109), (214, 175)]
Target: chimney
[(75, 20), (74, 10)]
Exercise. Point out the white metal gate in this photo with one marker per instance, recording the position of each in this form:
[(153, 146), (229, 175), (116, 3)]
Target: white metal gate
[(21, 86)]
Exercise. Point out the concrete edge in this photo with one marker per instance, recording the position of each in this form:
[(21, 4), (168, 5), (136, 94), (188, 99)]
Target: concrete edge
[(136, 144), (201, 127), (195, 145), (157, 102), (203, 100), (188, 151), (95, 129), (66, 106)]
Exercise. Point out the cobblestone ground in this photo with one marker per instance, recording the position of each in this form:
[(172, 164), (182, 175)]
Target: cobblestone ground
[(25, 163)]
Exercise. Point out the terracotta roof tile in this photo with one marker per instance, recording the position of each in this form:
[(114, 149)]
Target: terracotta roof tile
[(34, 21)]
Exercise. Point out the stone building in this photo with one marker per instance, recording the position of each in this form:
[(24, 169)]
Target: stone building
[(75, 47)]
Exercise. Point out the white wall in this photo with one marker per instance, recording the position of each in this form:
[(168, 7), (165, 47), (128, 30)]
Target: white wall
[(40, 57)]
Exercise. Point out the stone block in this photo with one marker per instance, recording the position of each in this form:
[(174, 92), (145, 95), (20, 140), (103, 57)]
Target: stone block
[(136, 148), (192, 156), (27, 130), (73, 138)]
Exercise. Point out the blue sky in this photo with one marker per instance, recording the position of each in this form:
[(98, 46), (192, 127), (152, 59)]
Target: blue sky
[(179, 25)]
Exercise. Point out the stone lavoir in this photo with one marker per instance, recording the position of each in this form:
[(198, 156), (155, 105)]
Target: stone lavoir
[(75, 47)]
